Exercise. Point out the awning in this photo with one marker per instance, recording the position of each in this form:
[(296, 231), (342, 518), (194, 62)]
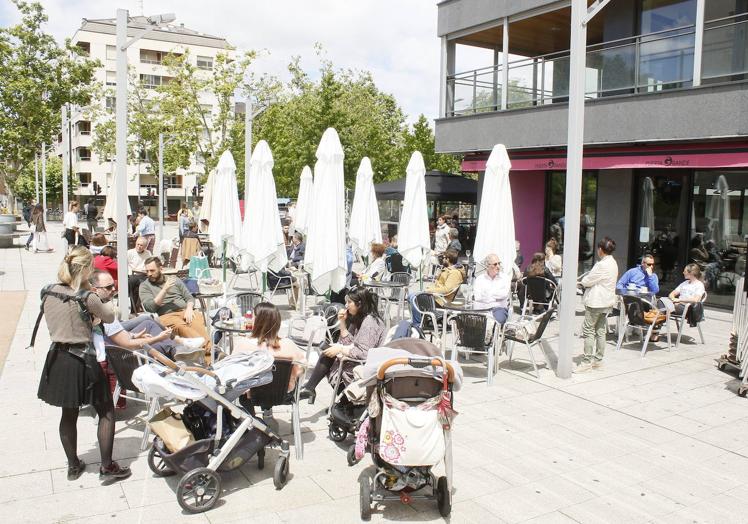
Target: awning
[(440, 186)]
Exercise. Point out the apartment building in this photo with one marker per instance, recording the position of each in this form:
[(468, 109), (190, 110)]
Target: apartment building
[(666, 128), (145, 57)]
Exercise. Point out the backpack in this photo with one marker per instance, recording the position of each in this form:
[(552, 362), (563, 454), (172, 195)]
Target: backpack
[(81, 297)]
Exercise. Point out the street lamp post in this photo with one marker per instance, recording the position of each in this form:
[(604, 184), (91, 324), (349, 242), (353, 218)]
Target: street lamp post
[(161, 188), (36, 176), (65, 158), (44, 180), (121, 141)]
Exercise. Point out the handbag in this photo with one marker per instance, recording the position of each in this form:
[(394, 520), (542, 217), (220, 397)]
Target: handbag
[(411, 436), (170, 428), (654, 316), (207, 284), (198, 263)]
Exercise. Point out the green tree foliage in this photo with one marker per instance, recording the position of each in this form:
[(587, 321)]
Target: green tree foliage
[(420, 137), (24, 185), (37, 77)]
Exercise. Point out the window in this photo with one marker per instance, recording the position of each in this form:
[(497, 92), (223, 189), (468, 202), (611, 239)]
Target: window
[(661, 15), (151, 81), (84, 47), (147, 56), (725, 54), (84, 178), (111, 52), (205, 62), (144, 155), (83, 127), (84, 154), (111, 104), (174, 181), (111, 78)]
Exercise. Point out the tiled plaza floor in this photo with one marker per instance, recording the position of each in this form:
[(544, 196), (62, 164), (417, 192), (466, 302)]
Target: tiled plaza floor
[(659, 439)]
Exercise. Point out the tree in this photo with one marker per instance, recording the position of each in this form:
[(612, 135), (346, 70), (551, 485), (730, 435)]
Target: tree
[(37, 77), (421, 138), (24, 185)]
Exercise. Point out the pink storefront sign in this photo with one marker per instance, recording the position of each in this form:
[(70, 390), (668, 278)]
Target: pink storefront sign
[(695, 160)]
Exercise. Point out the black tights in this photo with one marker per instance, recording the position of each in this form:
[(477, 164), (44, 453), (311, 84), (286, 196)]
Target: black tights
[(105, 433), (324, 364)]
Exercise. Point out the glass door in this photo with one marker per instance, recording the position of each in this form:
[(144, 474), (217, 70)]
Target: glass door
[(661, 224)]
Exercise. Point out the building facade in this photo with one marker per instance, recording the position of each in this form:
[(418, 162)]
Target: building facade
[(145, 59), (666, 124)]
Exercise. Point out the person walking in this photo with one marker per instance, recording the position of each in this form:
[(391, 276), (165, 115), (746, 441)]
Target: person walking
[(71, 376), (599, 298), (92, 215), (40, 230), (146, 228), (70, 223)]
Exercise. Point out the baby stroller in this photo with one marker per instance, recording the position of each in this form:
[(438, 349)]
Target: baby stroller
[(221, 435), (408, 432)]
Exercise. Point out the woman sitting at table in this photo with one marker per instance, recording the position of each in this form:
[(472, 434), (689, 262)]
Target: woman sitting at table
[(267, 324), (376, 267), (98, 242), (691, 291), (361, 328), (538, 290)]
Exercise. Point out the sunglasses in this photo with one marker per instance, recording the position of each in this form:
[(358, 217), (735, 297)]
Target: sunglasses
[(108, 288), (495, 264), (649, 264)]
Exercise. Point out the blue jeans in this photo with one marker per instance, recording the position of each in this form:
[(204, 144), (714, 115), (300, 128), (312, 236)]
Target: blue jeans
[(414, 314), (500, 314)]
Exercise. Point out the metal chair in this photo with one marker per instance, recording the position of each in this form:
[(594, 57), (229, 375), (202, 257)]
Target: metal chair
[(247, 301), (471, 336), (527, 330), (681, 320), (537, 294), (633, 318), (124, 362), (283, 283), (425, 304), (237, 264)]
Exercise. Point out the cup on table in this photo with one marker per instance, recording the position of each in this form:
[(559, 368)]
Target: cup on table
[(631, 287)]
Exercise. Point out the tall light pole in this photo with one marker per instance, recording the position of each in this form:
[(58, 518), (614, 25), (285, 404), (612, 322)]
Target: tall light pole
[(580, 16), (120, 191), (44, 180), (36, 176), (65, 158), (161, 188), (248, 117)]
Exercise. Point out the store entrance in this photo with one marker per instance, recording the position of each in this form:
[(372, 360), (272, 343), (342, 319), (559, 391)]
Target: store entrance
[(661, 223)]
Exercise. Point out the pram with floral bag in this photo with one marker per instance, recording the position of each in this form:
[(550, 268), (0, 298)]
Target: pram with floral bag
[(408, 431)]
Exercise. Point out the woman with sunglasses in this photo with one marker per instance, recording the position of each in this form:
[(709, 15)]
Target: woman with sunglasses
[(361, 328)]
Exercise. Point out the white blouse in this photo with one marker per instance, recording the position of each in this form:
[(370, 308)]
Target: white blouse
[(689, 290), (70, 221)]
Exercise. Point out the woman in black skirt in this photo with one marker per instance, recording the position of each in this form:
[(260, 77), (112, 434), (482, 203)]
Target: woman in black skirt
[(71, 376)]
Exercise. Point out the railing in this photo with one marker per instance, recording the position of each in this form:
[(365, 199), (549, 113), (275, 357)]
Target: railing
[(639, 64), (725, 48)]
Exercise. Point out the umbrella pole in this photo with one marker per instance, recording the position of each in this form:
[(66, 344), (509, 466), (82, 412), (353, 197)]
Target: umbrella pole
[(223, 261), (420, 274), (264, 282)]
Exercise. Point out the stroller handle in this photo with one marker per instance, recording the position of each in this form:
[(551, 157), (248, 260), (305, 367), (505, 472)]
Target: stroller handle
[(417, 363), (169, 363)]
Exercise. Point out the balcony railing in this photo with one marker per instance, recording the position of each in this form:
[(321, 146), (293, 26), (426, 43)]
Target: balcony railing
[(639, 64)]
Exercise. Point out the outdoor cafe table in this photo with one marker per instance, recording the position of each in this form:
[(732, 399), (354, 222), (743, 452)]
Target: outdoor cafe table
[(383, 289), (204, 299), (455, 308), (638, 293), (229, 328)]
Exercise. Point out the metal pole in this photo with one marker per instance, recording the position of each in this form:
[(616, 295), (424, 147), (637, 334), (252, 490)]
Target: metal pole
[(65, 158), (505, 64), (36, 176), (44, 180), (247, 148), (573, 187), (698, 44), (161, 187), (120, 189)]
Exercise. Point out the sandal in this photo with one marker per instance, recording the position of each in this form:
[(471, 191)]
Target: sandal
[(76, 470)]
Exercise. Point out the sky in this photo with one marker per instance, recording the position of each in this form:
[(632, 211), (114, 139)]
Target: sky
[(393, 39)]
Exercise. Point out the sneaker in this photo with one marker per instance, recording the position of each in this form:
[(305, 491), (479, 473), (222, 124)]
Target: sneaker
[(113, 473), (597, 364), (75, 471), (193, 343), (584, 367)]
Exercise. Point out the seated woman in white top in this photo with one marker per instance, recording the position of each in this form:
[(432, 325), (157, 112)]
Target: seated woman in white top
[(553, 260), (267, 323), (376, 267), (689, 292)]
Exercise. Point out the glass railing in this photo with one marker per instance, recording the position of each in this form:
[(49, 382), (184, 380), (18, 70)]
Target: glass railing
[(645, 63), (725, 50)]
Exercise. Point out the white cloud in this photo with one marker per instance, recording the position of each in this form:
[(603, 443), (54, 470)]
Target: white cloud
[(393, 39)]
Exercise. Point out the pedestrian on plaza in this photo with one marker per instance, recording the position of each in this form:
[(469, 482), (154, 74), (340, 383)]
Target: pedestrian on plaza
[(146, 228), (40, 230), (184, 217), (92, 215), (454, 241), (27, 210), (599, 299), (72, 234), (72, 376)]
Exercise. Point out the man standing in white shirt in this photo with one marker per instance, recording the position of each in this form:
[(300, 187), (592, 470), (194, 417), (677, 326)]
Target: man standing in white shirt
[(136, 258), (146, 228), (492, 289)]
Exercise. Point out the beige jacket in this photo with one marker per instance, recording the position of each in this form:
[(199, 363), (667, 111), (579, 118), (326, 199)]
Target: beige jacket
[(600, 283)]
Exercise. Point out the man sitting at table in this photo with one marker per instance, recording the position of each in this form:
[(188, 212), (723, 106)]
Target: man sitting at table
[(446, 286), (171, 299), (136, 258), (641, 276), (492, 289)]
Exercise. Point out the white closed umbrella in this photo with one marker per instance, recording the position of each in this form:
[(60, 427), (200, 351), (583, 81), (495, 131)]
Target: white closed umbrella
[(206, 208), (111, 206), (364, 227), (413, 239), (262, 234), (304, 201), (495, 233), (325, 245), (225, 216), (718, 214), (647, 218)]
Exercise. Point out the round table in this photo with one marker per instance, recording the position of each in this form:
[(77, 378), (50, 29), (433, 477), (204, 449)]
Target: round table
[(203, 298), (454, 308), (229, 328), (380, 288)]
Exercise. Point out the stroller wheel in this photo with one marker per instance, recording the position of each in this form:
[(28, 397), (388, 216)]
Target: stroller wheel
[(261, 459), (365, 498), (443, 497), (157, 463), (351, 455), (280, 475), (199, 490), (337, 433)]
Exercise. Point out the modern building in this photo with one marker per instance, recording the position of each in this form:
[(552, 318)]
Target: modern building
[(145, 59), (666, 124)]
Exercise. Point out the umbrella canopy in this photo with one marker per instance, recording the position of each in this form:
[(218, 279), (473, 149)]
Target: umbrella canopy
[(262, 237), (647, 218), (304, 202), (413, 238), (111, 207), (206, 208), (439, 186), (325, 244), (718, 214), (225, 217), (364, 227), (495, 233)]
